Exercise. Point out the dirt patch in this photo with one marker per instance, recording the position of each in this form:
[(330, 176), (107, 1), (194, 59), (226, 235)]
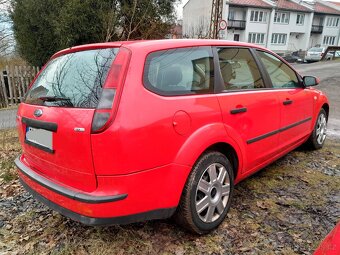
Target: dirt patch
[(287, 208)]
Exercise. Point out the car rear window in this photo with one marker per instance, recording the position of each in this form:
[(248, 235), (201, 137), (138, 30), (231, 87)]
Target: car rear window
[(180, 71), (73, 80), (315, 49)]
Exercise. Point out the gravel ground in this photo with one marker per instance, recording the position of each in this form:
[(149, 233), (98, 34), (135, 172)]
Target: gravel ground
[(287, 208)]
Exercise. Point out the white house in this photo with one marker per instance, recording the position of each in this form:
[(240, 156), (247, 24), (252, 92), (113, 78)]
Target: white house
[(326, 25), (280, 25)]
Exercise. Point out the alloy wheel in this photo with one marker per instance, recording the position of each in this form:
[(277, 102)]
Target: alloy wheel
[(321, 128), (212, 193)]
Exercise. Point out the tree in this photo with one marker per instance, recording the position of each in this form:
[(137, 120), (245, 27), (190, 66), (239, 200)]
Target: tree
[(82, 22), (6, 35), (145, 19), (44, 27), (34, 30)]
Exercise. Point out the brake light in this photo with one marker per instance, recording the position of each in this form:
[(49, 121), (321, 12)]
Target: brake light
[(103, 115)]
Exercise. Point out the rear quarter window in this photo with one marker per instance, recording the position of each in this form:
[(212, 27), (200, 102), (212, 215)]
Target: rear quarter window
[(181, 71)]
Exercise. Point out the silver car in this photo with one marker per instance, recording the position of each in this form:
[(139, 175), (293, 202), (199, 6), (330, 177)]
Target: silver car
[(316, 54)]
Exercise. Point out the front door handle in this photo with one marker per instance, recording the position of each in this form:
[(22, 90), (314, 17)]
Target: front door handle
[(238, 110), (287, 102)]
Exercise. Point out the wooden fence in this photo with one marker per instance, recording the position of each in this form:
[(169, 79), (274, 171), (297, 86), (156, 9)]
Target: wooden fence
[(14, 81)]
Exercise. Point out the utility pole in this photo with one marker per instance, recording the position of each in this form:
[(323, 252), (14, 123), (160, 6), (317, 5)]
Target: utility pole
[(216, 17)]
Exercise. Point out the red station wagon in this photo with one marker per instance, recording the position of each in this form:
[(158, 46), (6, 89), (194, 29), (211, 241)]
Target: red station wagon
[(120, 132)]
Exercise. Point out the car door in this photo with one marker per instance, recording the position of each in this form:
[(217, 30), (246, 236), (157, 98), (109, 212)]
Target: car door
[(296, 103), (250, 111)]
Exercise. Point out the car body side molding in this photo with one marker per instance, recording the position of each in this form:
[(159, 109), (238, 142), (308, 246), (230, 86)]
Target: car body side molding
[(258, 138)]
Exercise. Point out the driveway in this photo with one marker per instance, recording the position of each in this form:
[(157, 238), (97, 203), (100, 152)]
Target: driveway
[(329, 73), (7, 118)]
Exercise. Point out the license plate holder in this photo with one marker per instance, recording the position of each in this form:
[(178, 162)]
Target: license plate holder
[(40, 138)]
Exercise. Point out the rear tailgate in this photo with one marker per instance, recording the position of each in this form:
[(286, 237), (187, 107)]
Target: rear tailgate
[(55, 120), (69, 160)]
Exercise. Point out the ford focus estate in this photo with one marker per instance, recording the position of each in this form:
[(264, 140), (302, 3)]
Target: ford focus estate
[(121, 132)]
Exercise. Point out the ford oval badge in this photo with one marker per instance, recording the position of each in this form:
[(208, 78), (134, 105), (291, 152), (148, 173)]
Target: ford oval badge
[(38, 112)]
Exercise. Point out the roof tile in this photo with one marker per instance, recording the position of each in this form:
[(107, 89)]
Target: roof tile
[(289, 5), (255, 3), (321, 8), (336, 3)]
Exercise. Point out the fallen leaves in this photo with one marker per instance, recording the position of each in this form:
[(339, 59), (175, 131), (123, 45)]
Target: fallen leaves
[(285, 209)]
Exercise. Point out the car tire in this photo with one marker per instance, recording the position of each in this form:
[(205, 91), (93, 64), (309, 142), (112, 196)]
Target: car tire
[(318, 136), (207, 194)]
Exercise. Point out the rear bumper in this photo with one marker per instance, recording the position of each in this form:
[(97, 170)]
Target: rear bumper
[(152, 194), (91, 221), (78, 196), (312, 58)]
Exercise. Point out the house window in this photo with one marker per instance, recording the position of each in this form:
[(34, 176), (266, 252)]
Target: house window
[(281, 17), (328, 40), (279, 39), (332, 22), (231, 15), (257, 38), (258, 16), (300, 18)]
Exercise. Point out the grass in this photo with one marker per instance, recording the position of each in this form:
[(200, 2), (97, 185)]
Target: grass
[(287, 208), (9, 150), (9, 108)]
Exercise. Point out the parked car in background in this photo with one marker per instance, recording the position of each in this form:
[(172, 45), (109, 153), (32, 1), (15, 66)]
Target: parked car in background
[(293, 57), (316, 53), (335, 54), (121, 132)]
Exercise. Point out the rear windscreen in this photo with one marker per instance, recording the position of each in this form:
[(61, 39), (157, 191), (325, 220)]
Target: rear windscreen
[(73, 80), (315, 49)]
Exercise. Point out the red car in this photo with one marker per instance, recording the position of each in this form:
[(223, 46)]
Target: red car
[(121, 132), (331, 244)]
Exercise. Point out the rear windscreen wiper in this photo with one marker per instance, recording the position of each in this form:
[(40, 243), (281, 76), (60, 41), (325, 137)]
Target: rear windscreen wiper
[(53, 99), (63, 101)]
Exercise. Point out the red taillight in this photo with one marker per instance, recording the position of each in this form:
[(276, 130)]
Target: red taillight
[(118, 70), (114, 82)]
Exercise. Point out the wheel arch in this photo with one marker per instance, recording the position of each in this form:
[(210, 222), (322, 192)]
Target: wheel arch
[(228, 151), (325, 106), (216, 138)]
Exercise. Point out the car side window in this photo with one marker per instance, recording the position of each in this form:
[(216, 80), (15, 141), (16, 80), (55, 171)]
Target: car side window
[(180, 71), (239, 69), (281, 75)]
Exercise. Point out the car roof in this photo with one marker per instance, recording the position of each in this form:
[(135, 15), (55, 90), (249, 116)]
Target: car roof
[(174, 43), (152, 45)]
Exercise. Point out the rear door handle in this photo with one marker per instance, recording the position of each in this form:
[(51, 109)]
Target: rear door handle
[(238, 110), (287, 102)]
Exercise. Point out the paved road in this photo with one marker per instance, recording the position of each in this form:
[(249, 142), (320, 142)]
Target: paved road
[(7, 118), (329, 73)]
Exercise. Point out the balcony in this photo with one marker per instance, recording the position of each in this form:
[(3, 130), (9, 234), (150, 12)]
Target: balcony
[(237, 24), (317, 29)]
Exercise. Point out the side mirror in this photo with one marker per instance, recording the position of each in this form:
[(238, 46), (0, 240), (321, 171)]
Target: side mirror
[(310, 81)]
